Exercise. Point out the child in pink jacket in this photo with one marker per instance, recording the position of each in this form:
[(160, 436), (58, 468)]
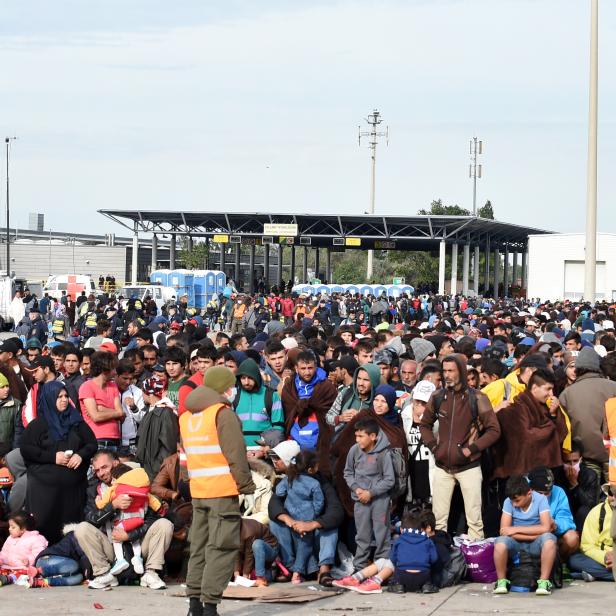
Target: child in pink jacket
[(22, 546)]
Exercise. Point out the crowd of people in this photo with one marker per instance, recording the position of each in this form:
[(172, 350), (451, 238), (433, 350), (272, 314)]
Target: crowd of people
[(363, 442)]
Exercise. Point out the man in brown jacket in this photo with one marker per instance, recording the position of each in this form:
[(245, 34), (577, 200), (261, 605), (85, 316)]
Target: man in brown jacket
[(458, 443), (218, 472)]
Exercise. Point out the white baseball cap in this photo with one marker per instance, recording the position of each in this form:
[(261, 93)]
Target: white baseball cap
[(423, 390)]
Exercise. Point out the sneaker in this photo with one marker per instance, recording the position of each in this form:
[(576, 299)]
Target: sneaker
[(428, 588), (587, 577), (118, 566), (137, 563), (501, 587), (151, 579), (368, 587), (103, 581), (397, 589), (346, 582), (544, 587)]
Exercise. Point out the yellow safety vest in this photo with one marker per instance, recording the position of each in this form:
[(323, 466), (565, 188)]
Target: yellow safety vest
[(208, 469)]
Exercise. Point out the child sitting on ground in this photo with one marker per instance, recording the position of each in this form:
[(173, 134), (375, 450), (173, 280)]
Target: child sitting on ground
[(21, 548), (411, 563), (133, 482), (304, 501), (370, 475), (526, 525), (258, 548)]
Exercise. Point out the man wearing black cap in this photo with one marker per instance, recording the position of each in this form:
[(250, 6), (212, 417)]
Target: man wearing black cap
[(38, 329)]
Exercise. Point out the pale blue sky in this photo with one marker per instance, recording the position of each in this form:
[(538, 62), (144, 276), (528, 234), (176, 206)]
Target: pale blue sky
[(254, 106)]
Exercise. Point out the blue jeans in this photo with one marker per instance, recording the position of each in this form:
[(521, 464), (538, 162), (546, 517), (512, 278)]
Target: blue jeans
[(264, 553), (532, 547), (60, 571), (579, 562), (323, 546)]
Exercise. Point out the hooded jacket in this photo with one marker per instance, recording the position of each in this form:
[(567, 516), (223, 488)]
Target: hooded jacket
[(349, 398), (17, 549), (413, 549), (230, 435), (370, 470), (456, 428), (251, 406)]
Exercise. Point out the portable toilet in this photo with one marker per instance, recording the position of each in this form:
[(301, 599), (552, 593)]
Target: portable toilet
[(366, 290), (160, 277), (336, 288), (351, 288), (211, 278), (182, 280), (323, 288), (408, 289), (379, 290), (221, 281)]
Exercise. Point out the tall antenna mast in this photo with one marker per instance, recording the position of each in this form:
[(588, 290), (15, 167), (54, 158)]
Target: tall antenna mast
[(474, 170), (374, 120)]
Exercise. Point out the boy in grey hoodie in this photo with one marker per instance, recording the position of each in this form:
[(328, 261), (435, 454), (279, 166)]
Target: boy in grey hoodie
[(370, 475)]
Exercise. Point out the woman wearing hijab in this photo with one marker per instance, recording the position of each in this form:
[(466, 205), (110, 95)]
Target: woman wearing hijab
[(56, 447), (384, 404)]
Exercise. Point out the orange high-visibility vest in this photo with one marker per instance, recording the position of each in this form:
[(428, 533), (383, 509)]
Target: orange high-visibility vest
[(208, 469), (610, 415)]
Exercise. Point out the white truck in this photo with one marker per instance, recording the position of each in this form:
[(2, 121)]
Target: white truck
[(161, 295)]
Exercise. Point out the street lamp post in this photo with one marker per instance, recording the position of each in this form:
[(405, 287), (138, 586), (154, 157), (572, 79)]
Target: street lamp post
[(590, 268), (7, 142)]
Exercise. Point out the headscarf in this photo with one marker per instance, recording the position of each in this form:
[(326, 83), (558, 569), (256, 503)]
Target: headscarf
[(59, 423), (389, 393)]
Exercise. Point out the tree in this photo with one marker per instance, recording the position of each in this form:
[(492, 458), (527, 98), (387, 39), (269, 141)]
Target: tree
[(438, 209), (486, 211), (195, 258)]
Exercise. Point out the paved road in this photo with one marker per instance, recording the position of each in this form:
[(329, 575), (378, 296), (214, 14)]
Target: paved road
[(597, 598)]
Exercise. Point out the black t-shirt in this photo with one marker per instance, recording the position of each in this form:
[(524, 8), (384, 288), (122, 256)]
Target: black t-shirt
[(419, 465)]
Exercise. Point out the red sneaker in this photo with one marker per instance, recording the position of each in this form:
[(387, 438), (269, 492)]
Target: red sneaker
[(368, 587), (346, 582)]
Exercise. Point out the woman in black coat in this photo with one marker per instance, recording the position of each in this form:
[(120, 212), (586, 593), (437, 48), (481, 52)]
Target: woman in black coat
[(56, 447)]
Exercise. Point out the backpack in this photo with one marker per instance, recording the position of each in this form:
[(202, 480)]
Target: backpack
[(524, 573), (400, 471), (306, 436), (269, 400), (90, 321), (455, 569)]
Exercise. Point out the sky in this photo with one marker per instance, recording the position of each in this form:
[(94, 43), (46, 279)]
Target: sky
[(254, 106)]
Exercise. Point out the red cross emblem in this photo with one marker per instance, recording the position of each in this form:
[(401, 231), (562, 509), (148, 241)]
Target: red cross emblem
[(74, 288)]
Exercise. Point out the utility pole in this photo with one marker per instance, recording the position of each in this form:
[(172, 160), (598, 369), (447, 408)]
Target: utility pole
[(7, 141), (474, 170), (590, 268), (374, 119)]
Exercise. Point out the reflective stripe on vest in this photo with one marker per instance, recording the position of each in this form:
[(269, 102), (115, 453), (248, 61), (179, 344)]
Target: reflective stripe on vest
[(610, 415), (208, 469)]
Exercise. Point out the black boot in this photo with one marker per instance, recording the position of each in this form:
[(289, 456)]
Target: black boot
[(196, 607), (209, 609)]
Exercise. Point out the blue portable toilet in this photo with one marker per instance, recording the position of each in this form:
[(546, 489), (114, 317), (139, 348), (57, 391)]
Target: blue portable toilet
[(323, 288), (366, 290), (160, 277), (336, 288), (379, 290), (408, 289), (221, 281), (210, 282), (351, 288)]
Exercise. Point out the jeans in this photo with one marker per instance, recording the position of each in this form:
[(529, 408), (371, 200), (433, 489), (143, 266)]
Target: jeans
[(264, 553), (532, 547), (60, 571), (323, 547), (579, 562)]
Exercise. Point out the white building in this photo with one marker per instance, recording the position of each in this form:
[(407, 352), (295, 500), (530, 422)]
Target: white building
[(556, 266)]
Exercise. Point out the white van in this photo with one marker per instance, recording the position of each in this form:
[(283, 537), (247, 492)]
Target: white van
[(161, 295), (73, 284)]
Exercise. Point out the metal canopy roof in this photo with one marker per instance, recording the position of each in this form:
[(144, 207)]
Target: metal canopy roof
[(408, 232)]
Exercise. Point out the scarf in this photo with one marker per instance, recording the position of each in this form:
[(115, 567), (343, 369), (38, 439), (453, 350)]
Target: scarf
[(389, 393), (59, 424)]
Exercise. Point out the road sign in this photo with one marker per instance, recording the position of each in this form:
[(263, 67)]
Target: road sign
[(221, 239), (280, 229), (398, 281), (353, 241)]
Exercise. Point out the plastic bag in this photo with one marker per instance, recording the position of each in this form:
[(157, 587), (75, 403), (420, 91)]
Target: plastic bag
[(479, 557)]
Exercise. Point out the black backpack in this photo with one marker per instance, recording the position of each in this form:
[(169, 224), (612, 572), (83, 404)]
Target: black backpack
[(269, 400)]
